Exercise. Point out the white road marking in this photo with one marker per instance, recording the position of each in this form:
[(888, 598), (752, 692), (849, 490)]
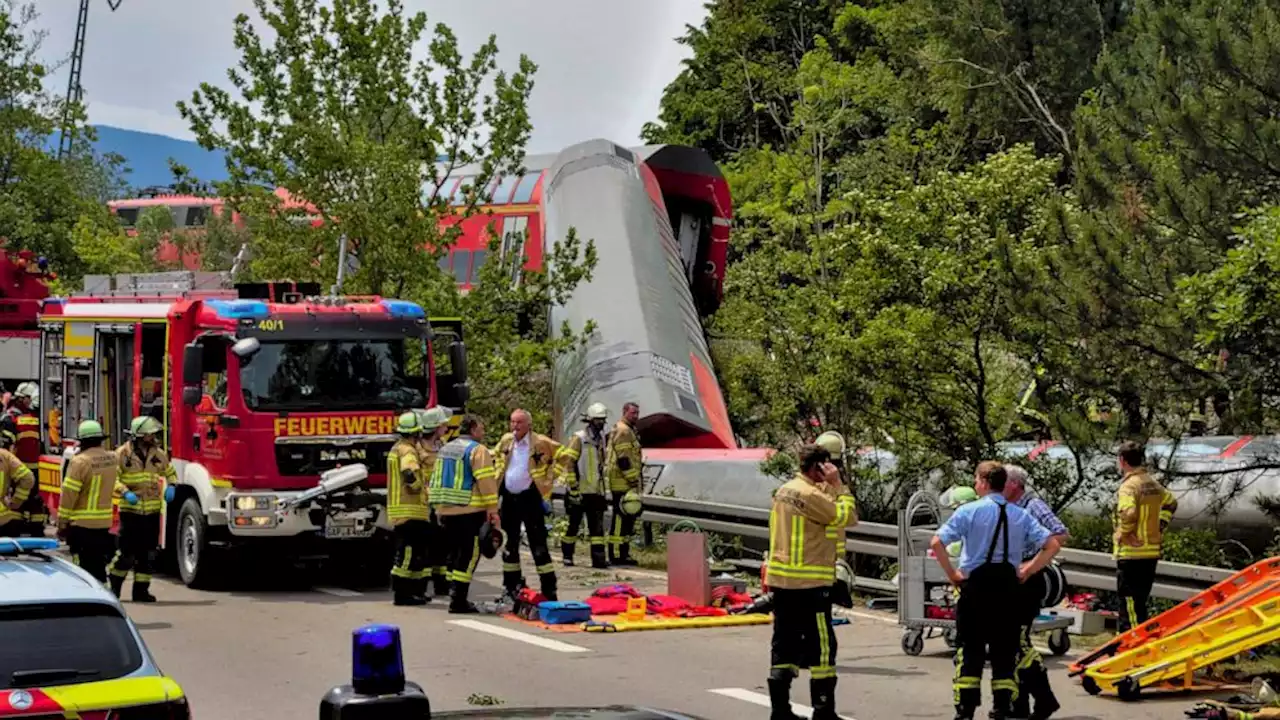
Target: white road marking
[(339, 592), (762, 700), (869, 616), (523, 637)]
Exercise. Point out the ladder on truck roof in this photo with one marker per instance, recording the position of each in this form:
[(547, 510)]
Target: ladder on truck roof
[(186, 283)]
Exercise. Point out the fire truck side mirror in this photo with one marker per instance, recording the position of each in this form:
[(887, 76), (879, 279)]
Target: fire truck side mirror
[(458, 362), (192, 365)]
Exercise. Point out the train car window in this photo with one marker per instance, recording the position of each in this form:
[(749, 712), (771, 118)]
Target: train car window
[(196, 216), (444, 261), (477, 262), (128, 217), (460, 193), (524, 191), (461, 265), (502, 193)]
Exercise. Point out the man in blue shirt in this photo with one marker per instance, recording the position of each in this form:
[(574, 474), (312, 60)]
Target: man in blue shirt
[(995, 536)]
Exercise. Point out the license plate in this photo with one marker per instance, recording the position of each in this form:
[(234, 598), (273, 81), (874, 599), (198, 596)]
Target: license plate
[(337, 528)]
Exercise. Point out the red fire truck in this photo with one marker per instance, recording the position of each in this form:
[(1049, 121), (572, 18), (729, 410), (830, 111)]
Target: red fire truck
[(279, 405), (22, 287)]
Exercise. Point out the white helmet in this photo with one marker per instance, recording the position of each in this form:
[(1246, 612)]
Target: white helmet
[(597, 411), (27, 390)]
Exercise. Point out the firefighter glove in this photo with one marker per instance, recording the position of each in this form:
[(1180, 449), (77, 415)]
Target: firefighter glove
[(546, 506), (131, 497), (169, 493)]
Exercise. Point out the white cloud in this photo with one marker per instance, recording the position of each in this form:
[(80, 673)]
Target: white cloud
[(602, 63)]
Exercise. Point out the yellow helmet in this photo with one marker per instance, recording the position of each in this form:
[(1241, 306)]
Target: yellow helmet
[(832, 442)]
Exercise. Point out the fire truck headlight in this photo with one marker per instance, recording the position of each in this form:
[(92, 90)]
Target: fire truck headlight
[(247, 503)]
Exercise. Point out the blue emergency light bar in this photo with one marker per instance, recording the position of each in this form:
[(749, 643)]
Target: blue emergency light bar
[(377, 665), (18, 546)]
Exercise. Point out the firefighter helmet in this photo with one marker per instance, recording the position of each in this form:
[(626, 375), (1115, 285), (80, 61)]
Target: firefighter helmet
[(961, 495), (144, 425), (7, 438), (90, 430), (27, 390), (597, 411), (408, 424), (492, 538), (630, 504), (433, 418), (832, 442)]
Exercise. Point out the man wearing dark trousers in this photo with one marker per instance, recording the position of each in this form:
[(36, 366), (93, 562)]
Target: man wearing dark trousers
[(464, 494), (623, 464), (808, 517), (583, 468), (995, 535), (1144, 509), (17, 482), (526, 462), (85, 509)]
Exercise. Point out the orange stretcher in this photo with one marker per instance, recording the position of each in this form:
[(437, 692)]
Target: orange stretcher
[(1175, 658), (1255, 584)]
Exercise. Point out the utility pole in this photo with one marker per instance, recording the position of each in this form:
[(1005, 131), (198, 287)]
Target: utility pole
[(75, 93)]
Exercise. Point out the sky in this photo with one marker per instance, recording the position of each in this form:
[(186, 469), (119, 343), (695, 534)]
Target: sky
[(602, 63)]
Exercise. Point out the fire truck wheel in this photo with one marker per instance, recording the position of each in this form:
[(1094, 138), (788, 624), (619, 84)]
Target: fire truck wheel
[(196, 560)]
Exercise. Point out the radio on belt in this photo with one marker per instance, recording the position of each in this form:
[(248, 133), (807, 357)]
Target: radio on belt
[(378, 689)]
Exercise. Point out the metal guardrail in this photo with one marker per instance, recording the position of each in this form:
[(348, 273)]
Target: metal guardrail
[(1084, 568)]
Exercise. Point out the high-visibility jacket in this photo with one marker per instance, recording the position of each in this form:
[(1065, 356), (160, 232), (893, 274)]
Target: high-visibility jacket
[(543, 455), (463, 479), (622, 458), (89, 487), (406, 483), (1143, 508), (584, 462), (54, 426), (144, 477), (16, 481), (806, 529)]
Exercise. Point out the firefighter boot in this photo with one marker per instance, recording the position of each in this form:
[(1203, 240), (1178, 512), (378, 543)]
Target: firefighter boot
[(547, 583), (441, 582), (822, 693), (598, 560), (141, 591), (780, 696), (117, 584), (566, 549), (459, 604), (1037, 687)]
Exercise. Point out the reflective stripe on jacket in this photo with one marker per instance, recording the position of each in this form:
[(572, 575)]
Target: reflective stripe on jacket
[(142, 476), (584, 463), (622, 460), (1143, 508), (543, 454), (406, 500), (463, 479), (805, 529), (89, 488), (16, 481)]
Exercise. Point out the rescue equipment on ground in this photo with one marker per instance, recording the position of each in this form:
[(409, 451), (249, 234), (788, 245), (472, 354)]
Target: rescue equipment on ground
[(525, 603), (564, 612)]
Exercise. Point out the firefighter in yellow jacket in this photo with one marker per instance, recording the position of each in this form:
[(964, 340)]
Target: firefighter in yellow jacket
[(526, 463), (435, 425), (622, 464), (464, 494), (1144, 509), (146, 473), (85, 507), (17, 482), (583, 471), (806, 525), (408, 512)]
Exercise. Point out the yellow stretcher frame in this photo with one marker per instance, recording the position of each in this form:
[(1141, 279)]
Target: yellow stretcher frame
[(621, 625), (1174, 659)]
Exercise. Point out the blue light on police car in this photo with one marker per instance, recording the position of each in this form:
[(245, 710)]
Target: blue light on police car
[(21, 545), (239, 309), (403, 309), (377, 666)]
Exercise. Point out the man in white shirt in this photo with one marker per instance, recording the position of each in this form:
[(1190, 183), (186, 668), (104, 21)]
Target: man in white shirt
[(525, 461)]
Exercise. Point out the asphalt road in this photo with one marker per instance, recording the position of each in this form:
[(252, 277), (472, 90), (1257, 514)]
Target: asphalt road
[(272, 647)]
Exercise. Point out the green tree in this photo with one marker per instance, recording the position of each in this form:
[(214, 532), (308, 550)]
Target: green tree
[(41, 198), (334, 108)]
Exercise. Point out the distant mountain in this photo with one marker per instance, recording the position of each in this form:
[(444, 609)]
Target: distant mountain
[(147, 156)]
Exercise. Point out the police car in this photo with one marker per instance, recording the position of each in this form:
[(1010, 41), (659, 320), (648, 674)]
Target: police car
[(67, 648)]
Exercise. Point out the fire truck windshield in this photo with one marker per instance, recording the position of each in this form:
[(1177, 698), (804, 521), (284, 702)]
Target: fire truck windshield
[(332, 374)]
